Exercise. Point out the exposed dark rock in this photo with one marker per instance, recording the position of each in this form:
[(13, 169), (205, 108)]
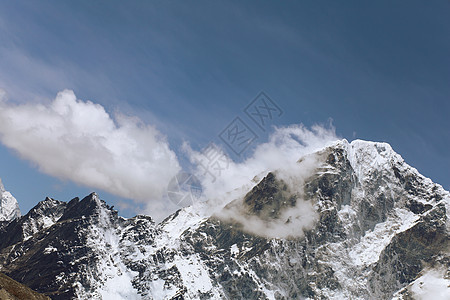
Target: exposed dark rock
[(13, 290), (379, 225)]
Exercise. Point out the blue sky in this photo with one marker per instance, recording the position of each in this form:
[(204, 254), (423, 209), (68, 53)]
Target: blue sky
[(380, 70)]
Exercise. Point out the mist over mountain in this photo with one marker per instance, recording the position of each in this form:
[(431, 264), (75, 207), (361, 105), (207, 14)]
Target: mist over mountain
[(212, 150), (349, 221)]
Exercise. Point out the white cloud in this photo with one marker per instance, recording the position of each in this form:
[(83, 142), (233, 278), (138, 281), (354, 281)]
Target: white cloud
[(79, 141), (281, 153)]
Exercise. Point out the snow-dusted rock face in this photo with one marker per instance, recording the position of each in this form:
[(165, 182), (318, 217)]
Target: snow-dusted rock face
[(380, 230), (9, 208)]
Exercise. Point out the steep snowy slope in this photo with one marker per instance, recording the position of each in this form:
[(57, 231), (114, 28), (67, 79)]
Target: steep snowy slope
[(380, 224), (9, 208), (359, 224)]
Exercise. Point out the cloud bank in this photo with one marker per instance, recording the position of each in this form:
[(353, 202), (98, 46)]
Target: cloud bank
[(281, 154), (79, 141), (269, 220)]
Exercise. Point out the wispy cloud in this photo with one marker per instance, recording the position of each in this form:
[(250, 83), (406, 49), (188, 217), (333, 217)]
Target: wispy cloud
[(79, 141), (280, 154)]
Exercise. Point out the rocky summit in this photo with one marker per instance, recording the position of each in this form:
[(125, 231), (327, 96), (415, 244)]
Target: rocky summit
[(9, 208), (357, 223)]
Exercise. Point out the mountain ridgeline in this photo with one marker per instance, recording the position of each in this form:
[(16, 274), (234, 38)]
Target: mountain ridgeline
[(362, 225)]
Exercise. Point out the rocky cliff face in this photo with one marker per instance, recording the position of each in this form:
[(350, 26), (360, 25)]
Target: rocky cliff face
[(362, 224), (12, 290)]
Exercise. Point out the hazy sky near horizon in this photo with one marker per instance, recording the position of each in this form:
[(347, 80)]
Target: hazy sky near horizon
[(378, 70)]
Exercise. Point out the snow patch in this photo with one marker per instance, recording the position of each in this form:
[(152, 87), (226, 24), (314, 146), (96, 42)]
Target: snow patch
[(431, 285), (194, 275), (50, 249), (187, 218), (368, 250), (234, 249), (160, 291), (366, 157), (111, 279)]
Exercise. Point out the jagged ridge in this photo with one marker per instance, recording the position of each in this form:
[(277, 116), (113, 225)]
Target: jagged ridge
[(380, 226)]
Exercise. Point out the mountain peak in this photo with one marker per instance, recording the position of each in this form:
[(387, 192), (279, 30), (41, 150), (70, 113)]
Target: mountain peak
[(9, 208), (331, 226), (268, 198)]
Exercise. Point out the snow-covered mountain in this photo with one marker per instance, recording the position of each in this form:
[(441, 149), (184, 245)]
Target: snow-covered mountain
[(361, 223), (9, 208)]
